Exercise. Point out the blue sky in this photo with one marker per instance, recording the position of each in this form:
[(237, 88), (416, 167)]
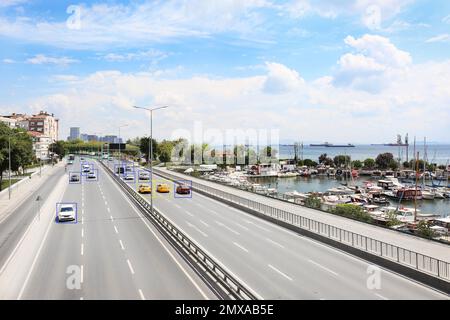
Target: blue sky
[(349, 70)]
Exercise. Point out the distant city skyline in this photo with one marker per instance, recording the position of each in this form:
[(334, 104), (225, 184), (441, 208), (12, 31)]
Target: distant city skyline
[(358, 72)]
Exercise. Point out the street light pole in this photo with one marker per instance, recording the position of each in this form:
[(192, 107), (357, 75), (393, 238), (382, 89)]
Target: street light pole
[(151, 151), (120, 155), (9, 163)]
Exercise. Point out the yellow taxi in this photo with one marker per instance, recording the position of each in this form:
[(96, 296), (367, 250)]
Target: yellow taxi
[(162, 188), (145, 188)]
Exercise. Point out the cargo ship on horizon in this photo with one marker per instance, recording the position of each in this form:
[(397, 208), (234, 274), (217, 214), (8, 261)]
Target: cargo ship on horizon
[(330, 145)]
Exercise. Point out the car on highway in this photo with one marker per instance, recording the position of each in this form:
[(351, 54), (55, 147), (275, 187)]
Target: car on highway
[(128, 177), (66, 212), (82, 158), (86, 168), (129, 169), (183, 189), (145, 188), (91, 175), (162, 188), (70, 162), (110, 159), (74, 178), (120, 170), (144, 175)]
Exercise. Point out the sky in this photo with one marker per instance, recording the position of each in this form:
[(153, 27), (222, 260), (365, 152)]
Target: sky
[(359, 71)]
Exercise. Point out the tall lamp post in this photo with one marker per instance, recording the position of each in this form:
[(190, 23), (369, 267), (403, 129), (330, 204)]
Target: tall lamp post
[(150, 160), (120, 155), (9, 162)]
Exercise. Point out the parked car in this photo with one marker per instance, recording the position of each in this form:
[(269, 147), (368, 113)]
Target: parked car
[(66, 212), (183, 189), (145, 188)]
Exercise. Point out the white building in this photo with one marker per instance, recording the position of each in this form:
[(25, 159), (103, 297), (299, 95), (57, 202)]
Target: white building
[(12, 123), (41, 145)]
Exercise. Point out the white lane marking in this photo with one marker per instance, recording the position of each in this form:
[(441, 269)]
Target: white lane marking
[(111, 217), (258, 226), (82, 249), (321, 266), (279, 272), (109, 210), (141, 294), (121, 245), (275, 243), (204, 223), (34, 262), (189, 213), (82, 232), (82, 274), (226, 227), (240, 247), (115, 229), (195, 228), (241, 226), (199, 205), (177, 206), (82, 220), (81, 298), (214, 212), (381, 297), (106, 203), (159, 240), (130, 266)]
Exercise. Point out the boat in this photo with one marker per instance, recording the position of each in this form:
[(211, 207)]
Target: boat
[(330, 145), (343, 190)]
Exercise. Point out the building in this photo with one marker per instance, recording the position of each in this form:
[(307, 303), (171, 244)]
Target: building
[(41, 144), (84, 137), (74, 133), (12, 123), (44, 123), (92, 137)]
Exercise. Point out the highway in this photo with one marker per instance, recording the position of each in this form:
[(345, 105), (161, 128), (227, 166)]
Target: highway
[(276, 263), (118, 253)]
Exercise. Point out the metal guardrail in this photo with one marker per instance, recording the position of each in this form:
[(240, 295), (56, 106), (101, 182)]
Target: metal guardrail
[(423, 263), (228, 282)]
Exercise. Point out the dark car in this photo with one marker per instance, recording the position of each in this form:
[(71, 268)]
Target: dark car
[(183, 189), (120, 170), (74, 178)]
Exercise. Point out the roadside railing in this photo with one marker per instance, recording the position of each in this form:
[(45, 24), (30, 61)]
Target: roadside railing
[(226, 281), (423, 263)]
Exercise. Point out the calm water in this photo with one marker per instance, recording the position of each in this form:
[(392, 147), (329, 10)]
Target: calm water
[(321, 184), (436, 153)]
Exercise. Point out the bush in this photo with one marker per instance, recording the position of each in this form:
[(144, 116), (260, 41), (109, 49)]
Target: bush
[(313, 202), (424, 230), (352, 211)]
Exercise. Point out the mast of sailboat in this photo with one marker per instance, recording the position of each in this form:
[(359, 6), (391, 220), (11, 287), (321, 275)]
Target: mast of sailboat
[(415, 191), (424, 158)]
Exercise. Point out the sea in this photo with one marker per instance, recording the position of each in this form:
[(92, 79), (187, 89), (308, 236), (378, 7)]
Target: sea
[(434, 153)]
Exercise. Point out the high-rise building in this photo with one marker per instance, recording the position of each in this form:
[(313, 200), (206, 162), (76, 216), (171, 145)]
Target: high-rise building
[(74, 133)]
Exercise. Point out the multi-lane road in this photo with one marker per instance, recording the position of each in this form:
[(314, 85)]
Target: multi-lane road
[(277, 263), (117, 253)]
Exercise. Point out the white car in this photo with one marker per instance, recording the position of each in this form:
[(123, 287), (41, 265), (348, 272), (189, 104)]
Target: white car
[(144, 175), (128, 177), (86, 168), (66, 212), (91, 175)]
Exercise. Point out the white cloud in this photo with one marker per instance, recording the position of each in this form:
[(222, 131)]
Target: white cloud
[(373, 65), (413, 99), (43, 59), (10, 3), (8, 61), (281, 79), (103, 26), (439, 38), (446, 19), (154, 55)]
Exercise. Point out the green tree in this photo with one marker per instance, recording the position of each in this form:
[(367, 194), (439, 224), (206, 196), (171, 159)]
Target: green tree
[(383, 160), (393, 165), (309, 163), (392, 219), (369, 163), (341, 160), (352, 211), (357, 164), (60, 148), (165, 150), (144, 147), (424, 229)]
